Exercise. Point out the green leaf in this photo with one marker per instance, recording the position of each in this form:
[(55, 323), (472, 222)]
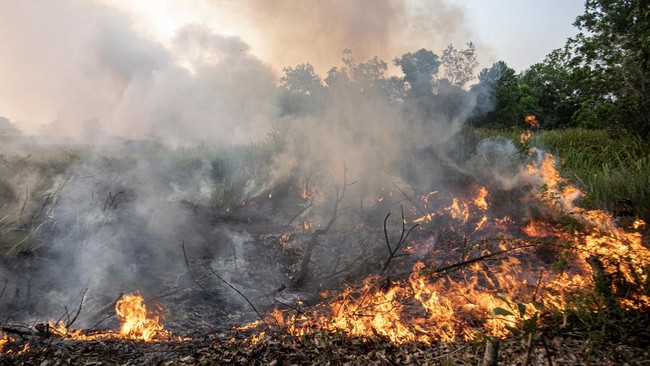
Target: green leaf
[(501, 311), (516, 332), (530, 324), (522, 309)]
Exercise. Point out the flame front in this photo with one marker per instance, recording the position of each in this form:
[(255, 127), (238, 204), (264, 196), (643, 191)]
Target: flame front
[(500, 270)]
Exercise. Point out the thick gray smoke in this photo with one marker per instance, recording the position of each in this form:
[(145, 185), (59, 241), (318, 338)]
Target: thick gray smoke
[(149, 176)]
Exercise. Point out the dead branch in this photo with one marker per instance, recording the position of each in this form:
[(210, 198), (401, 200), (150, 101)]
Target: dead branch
[(491, 355), (410, 199), (273, 293), (189, 270), (110, 305), (4, 288), (25, 202), (402, 239), (81, 302), (240, 294), (539, 283), (313, 242), (441, 270), (21, 333), (295, 217)]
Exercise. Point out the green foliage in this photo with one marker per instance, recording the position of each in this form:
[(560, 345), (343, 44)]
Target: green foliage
[(459, 65), (420, 70), (610, 62), (549, 83), (611, 170), (502, 99), (523, 325)]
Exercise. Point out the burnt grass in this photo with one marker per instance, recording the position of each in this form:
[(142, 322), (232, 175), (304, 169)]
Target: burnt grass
[(277, 348)]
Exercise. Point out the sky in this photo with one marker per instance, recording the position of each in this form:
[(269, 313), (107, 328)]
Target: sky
[(520, 32), (76, 59)]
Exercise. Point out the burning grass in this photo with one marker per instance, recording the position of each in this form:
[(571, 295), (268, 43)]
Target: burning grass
[(460, 273)]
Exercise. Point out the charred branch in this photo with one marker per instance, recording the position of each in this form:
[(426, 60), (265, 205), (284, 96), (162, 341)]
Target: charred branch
[(402, 239), (313, 241), (240, 294), (19, 332)]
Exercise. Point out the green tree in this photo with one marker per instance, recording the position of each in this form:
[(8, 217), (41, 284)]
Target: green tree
[(301, 90), (420, 71), (502, 99), (550, 83), (610, 58), (459, 65)]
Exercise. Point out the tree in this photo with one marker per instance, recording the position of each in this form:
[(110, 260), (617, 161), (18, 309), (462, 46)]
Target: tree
[(459, 65), (502, 100), (610, 58), (301, 90), (420, 71), (550, 83)]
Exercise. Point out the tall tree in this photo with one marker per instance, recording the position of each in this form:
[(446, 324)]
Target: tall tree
[(502, 100), (459, 65), (301, 90), (420, 71), (550, 83), (611, 61)]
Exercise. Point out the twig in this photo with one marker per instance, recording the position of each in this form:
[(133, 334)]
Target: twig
[(410, 200), (110, 305), (491, 355), (438, 271), (189, 270), (241, 294), (295, 217), (83, 297), (100, 321), (340, 194), (539, 283), (402, 239), (4, 288), (24, 203)]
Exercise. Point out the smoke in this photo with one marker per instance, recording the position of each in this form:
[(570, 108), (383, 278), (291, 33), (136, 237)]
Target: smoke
[(113, 218), (78, 62), (288, 32)]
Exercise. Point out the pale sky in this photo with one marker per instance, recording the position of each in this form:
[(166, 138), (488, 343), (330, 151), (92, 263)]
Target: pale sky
[(522, 32)]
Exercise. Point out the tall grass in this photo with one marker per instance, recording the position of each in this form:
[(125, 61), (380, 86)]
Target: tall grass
[(613, 171)]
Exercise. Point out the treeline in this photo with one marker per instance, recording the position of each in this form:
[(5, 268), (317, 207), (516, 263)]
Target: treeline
[(598, 80)]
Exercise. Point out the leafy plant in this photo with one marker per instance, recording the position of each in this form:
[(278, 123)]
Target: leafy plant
[(523, 326)]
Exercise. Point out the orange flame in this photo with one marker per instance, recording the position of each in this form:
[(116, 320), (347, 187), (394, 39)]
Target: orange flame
[(137, 322), (429, 308)]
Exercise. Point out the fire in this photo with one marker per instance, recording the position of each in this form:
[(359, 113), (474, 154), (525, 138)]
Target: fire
[(480, 201), (4, 340), (532, 121), (430, 304), (458, 210), (137, 322)]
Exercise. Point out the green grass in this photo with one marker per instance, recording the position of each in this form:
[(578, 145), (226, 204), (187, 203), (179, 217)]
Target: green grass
[(613, 171)]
